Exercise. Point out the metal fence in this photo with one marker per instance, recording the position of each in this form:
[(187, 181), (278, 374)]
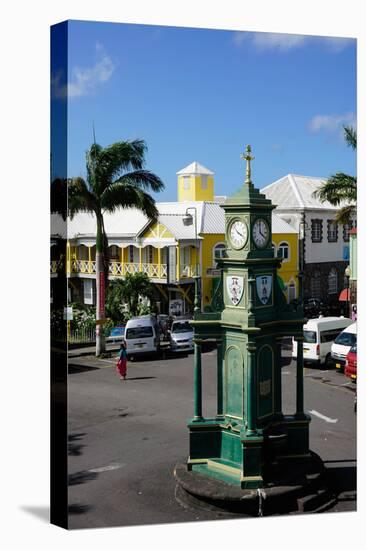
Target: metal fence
[(82, 335)]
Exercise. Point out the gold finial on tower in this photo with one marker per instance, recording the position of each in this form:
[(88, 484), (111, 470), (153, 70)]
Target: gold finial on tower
[(248, 157)]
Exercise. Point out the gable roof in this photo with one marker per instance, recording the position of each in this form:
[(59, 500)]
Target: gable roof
[(296, 192), (131, 222), (195, 168)]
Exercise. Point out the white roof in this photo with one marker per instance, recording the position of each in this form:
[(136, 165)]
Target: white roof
[(195, 168), (129, 222), (294, 191)]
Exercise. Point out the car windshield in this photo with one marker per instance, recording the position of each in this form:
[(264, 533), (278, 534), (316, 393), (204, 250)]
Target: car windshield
[(117, 331), (182, 327), (139, 332), (310, 336), (346, 339)]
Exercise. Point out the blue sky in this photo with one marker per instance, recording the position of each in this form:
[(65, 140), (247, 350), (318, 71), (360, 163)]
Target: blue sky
[(202, 95)]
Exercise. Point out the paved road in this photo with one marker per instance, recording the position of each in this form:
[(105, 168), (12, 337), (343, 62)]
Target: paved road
[(126, 437)]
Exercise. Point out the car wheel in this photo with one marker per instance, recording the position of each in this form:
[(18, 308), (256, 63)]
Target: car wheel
[(328, 361)]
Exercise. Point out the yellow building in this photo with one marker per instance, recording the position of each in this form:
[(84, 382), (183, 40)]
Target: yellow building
[(183, 243)]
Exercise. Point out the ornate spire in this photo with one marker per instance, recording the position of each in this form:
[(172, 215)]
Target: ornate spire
[(248, 157)]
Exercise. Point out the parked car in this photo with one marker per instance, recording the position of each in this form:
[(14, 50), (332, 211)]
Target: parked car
[(350, 369), (142, 336), (319, 335), (181, 336), (116, 334), (342, 344)]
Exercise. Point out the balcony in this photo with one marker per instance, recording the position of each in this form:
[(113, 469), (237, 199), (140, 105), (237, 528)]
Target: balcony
[(158, 272)]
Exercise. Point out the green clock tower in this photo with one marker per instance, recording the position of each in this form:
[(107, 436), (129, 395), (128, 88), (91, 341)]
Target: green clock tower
[(249, 318)]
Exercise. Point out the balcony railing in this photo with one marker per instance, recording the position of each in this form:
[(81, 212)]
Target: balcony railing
[(117, 269)]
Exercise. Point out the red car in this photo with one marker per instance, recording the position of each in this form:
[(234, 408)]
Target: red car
[(351, 363)]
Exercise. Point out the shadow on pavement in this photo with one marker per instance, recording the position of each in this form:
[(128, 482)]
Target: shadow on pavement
[(74, 448), (73, 368), (140, 378), (79, 508), (81, 477)]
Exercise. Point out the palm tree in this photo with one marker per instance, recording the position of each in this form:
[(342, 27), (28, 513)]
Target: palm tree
[(341, 187), (128, 290), (115, 179)]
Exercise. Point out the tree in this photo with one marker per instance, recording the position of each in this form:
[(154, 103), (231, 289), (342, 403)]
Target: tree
[(341, 187), (115, 179), (128, 291)]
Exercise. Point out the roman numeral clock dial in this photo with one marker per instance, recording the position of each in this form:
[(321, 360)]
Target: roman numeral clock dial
[(238, 234), (260, 233)]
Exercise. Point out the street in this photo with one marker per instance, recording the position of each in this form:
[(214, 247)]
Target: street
[(125, 437)]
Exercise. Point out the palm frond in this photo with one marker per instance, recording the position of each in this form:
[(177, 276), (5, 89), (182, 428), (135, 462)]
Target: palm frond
[(121, 157), (350, 135), (338, 188), (80, 199), (345, 214), (125, 195), (143, 179)]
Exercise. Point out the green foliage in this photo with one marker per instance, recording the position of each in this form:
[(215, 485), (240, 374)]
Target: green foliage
[(128, 291), (341, 188)]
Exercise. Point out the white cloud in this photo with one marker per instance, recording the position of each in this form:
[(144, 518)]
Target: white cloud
[(284, 42), (85, 80), (332, 124)]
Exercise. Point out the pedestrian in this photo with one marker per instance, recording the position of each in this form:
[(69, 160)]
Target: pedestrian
[(122, 361)]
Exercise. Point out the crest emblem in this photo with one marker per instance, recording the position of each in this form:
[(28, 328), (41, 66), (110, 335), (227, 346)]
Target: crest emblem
[(264, 288), (235, 287)]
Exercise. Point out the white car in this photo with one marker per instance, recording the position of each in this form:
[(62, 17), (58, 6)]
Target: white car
[(342, 345), (142, 336), (319, 335), (181, 336)]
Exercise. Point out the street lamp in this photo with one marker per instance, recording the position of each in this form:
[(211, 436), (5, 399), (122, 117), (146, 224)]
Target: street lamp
[(347, 273), (188, 220)]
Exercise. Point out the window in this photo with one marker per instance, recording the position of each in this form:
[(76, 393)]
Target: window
[(346, 339), (139, 332), (204, 182), (186, 182), (131, 254), (283, 251), (88, 291), (332, 231), (309, 336), (316, 231), (346, 229), (329, 335), (113, 252), (217, 252), (315, 285), (332, 281), (148, 254)]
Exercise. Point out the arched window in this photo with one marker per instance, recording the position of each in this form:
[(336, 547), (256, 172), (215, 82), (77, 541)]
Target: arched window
[(283, 251), (274, 249), (217, 252), (333, 281), (315, 285)]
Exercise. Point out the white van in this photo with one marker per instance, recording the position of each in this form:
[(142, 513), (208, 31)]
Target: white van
[(342, 344), (142, 336), (319, 335)]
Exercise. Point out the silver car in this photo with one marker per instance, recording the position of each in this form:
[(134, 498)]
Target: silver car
[(181, 336)]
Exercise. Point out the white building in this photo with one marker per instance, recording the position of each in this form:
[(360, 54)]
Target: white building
[(323, 243)]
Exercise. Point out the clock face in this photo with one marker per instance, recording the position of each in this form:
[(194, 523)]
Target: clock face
[(238, 233), (260, 233)]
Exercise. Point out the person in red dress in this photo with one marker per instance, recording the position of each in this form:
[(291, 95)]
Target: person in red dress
[(122, 361)]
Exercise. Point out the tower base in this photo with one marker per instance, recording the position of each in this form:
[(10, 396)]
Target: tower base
[(289, 485)]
